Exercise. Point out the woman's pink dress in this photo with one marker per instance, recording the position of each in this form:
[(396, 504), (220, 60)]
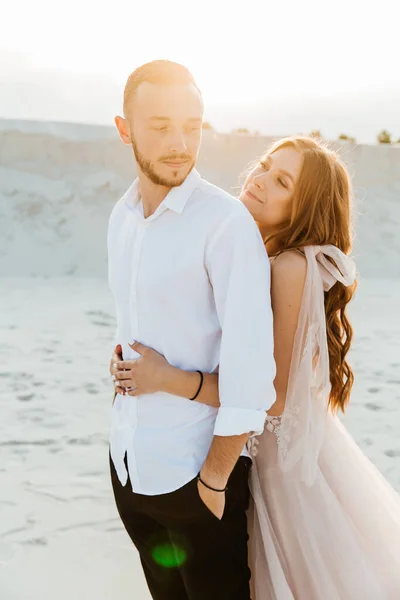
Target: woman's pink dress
[(323, 522)]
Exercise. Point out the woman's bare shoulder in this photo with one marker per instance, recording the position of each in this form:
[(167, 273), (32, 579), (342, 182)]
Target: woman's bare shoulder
[(288, 272), (290, 261)]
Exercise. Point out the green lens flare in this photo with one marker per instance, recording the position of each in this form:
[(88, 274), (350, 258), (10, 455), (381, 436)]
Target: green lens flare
[(169, 555)]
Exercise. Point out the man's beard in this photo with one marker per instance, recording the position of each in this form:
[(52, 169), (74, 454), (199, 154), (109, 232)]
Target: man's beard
[(147, 168)]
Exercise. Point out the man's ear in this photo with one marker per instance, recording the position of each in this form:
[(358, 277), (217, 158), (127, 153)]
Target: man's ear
[(123, 129)]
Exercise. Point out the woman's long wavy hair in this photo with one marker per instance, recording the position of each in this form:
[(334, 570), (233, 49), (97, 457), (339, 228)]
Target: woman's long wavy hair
[(321, 214)]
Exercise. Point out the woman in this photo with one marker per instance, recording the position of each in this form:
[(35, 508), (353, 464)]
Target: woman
[(323, 523)]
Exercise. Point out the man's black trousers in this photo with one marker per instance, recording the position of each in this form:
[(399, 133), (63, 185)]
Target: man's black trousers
[(186, 552)]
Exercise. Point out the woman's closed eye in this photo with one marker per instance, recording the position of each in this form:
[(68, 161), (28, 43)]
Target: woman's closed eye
[(264, 165), (283, 183)]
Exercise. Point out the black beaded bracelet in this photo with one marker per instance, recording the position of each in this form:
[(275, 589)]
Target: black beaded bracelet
[(209, 487), (200, 386)]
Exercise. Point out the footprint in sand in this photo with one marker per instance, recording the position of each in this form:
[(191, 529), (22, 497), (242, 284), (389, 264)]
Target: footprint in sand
[(79, 442), (35, 542), (98, 313), (25, 397), (372, 406), (392, 453), (53, 425), (46, 350), (368, 441), (36, 419), (91, 389), (101, 318), (18, 443), (90, 474)]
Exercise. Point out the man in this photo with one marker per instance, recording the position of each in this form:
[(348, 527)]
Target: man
[(190, 278)]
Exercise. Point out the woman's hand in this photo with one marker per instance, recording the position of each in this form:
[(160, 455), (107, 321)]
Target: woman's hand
[(144, 375), (116, 356)]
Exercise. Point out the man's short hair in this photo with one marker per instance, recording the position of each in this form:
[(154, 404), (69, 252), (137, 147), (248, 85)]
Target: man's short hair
[(161, 72)]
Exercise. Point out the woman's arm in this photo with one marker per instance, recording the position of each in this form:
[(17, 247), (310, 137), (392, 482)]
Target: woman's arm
[(186, 384), (152, 373), (288, 275)]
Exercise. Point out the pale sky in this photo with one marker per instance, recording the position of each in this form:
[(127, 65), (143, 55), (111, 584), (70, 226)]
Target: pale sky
[(241, 53)]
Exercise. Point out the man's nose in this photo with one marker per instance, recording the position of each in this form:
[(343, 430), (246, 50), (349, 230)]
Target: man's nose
[(178, 143)]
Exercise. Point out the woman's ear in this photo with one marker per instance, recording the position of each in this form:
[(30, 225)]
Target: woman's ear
[(123, 128)]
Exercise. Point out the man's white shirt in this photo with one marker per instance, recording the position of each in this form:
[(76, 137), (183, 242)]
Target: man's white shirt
[(191, 281)]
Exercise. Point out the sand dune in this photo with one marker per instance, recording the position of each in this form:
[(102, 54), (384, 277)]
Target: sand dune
[(58, 183)]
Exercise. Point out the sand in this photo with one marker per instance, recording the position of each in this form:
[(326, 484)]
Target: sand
[(60, 534)]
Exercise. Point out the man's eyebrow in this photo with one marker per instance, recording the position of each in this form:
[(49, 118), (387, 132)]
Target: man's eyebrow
[(190, 120)]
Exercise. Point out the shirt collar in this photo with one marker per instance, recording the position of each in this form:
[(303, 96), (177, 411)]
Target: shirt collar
[(131, 197), (176, 198)]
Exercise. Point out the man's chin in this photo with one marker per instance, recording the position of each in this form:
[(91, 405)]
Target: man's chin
[(175, 177), (177, 182)]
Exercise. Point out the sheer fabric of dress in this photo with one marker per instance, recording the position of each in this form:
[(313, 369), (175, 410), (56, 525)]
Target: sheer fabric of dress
[(323, 522)]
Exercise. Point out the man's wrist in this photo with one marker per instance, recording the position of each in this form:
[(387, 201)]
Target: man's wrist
[(213, 479), (210, 487), (222, 458)]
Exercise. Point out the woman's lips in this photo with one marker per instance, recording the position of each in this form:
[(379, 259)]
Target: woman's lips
[(252, 196)]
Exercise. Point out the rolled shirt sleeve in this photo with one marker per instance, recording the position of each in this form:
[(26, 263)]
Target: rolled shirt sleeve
[(239, 271)]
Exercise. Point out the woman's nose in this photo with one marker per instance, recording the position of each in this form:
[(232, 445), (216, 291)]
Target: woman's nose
[(259, 181)]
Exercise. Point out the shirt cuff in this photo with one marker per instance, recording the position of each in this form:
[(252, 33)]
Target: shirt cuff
[(236, 421)]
